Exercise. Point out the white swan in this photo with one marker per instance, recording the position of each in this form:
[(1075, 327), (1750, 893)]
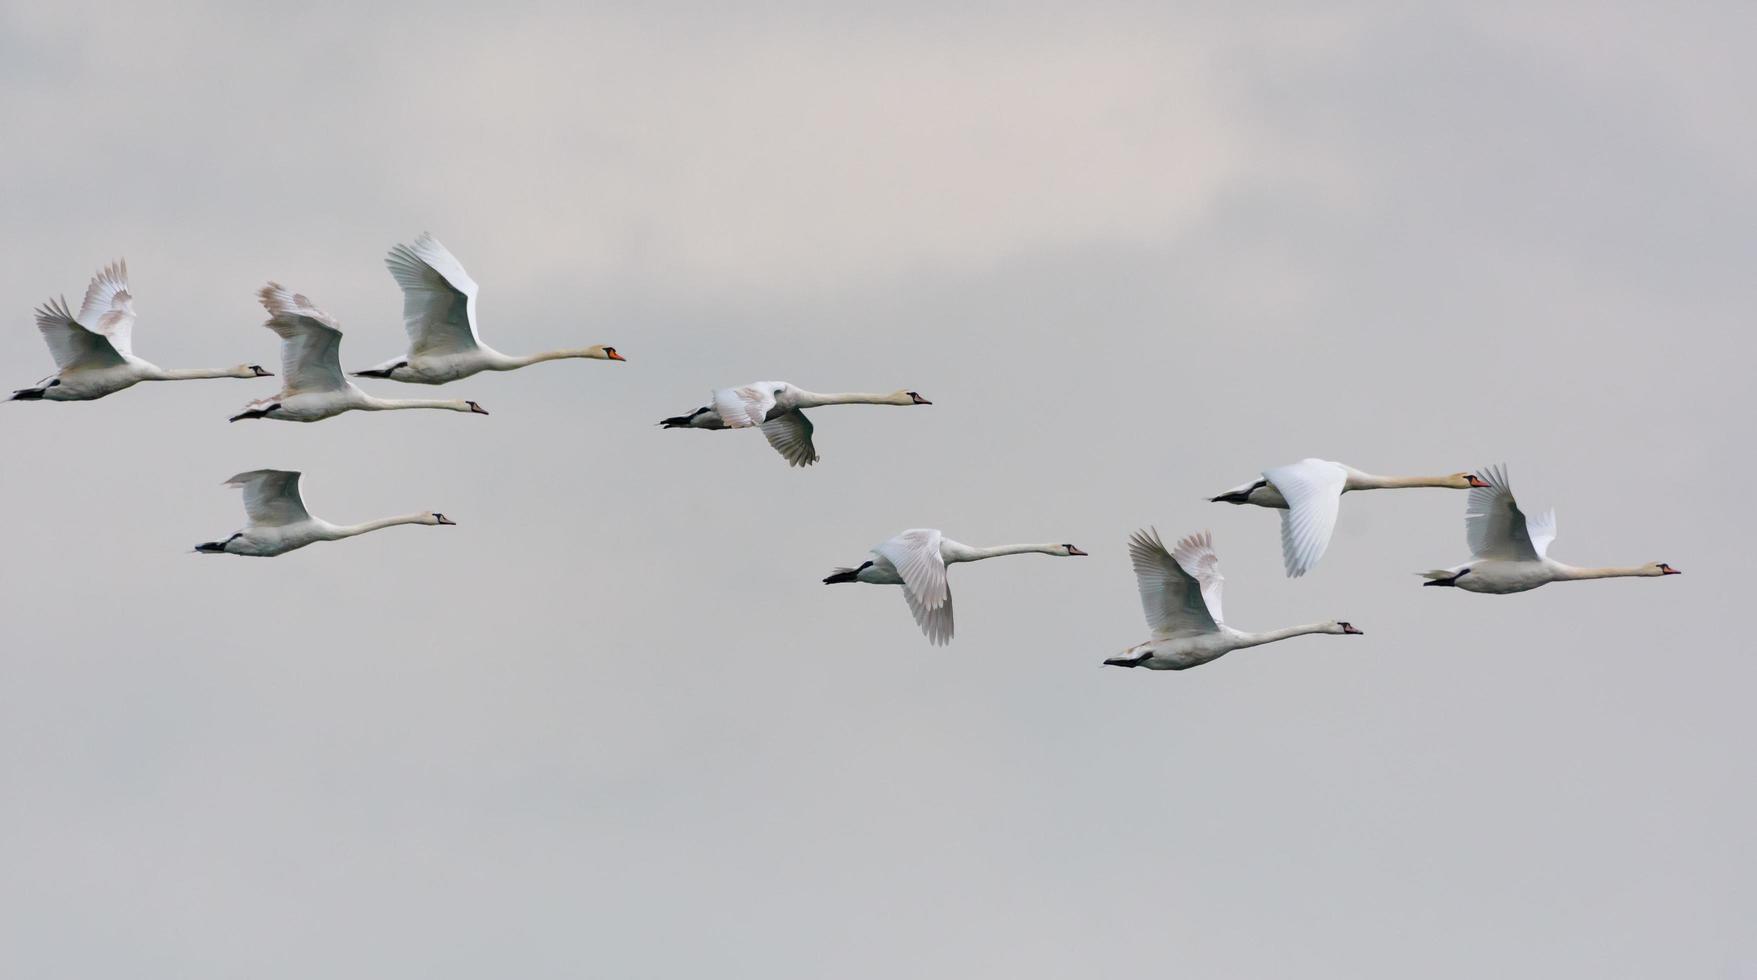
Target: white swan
[(439, 313), (1512, 551), (94, 353), (1180, 593), (774, 406), (917, 560), (315, 388), (1309, 494), (279, 523)]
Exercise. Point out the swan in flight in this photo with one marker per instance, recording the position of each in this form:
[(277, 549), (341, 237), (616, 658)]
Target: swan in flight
[(279, 523), (1309, 493), (1180, 593), (94, 351), (1511, 551), (439, 313), (315, 388), (774, 406), (917, 560)]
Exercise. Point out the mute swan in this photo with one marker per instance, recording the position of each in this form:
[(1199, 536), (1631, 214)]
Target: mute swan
[(439, 313), (1512, 551), (1309, 493), (94, 353), (917, 560), (279, 523), (315, 388), (1180, 593), (775, 407)]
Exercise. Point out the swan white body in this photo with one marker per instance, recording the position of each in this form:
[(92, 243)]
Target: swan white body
[(1512, 551), (315, 389), (94, 351), (1309, 495), (439, 314), (278, 521), (916, 559), (774, 407), (1180, 594)]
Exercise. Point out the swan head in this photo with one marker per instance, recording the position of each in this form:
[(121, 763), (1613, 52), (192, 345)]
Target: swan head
[(251, 371), (1067, 551), (910, 398), (472, 407), (436, 519), (1343, 628), (603, 353), (1466, 481), (1660, 568)]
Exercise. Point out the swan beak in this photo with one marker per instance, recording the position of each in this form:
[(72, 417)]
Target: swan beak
[(477, 409), (1351, 630), (612, 355), (1075, 551), (445, 520), (257, 369), (1475, 481), (1669, 570)]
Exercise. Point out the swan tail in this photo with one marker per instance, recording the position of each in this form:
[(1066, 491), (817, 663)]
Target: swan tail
[(211, 547), (1443, 576), (693, 420), (381, 370), (250, 413)]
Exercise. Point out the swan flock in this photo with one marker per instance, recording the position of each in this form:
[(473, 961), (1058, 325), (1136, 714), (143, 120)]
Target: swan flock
[(1180, 588)]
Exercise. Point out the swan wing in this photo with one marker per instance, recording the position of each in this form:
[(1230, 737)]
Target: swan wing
[(935, 622), (1541, 530), (1195, 555), (109, 307), (1172, 597), (1313, 490), (750, 405), (1496, 527), (74, 347), (439, 297), (271, 497), (790, 434), (310, 341), (915, 554)]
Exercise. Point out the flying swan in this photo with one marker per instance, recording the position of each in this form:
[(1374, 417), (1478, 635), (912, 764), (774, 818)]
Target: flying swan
[(279, 523), (1309, 493), (93, 351), (917, 560), (1180, 593), (1512, 551), (439, 313), (774, 406), (315, 388)]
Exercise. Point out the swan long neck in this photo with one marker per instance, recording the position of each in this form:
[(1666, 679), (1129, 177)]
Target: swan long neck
[(350, 530), (811, 399), (1570, 573), (977, 554), (1370, 481), (509, 362), (375, 404), (188, 374), (1258, 639)]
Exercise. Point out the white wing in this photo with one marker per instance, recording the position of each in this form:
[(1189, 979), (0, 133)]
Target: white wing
[(915, 554), (74, 347), (1495, 526), (790, 434), (747, 406), (109, 307), (310, 341), (936, 622), (271, 497), (1176, 600), (1313, 490), (439, 297)]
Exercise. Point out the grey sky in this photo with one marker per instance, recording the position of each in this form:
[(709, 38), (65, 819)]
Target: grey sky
[(612, 725)]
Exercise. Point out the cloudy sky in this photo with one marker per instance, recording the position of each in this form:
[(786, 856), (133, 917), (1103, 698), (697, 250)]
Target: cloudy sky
[(612, 725)]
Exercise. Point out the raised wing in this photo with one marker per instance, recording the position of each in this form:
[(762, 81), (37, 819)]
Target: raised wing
[(1195, 555), (750, 405), (271, 497), (1172, 596), (915, 554), (74, 347), (1313, 490), (1496, 527), (109, 307), (310, 341), (439, 297), (790, 434)]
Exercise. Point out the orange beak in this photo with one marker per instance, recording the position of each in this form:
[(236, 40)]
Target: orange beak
[(1474, 480), (615, 356)]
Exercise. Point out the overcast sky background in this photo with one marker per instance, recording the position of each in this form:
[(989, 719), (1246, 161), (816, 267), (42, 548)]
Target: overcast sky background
[(612, 725)]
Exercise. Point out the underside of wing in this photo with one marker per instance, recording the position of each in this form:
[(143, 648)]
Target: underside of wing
[(915, 554), (1171, 598), (310, 341), (271, 497), (790, 434), (439, 298), (1495, 526), (743, 407), (73, 347), (1195, 555), (109, 307), (935, 622), (1313, 490)]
